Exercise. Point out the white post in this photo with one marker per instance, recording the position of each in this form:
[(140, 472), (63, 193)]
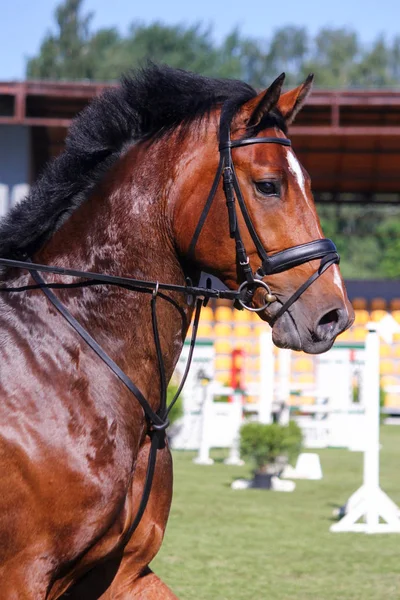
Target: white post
[(372, 419), (3, 199), (369, 504), (203, 457), (284, 385), (19, 192), (234, 454), (266, 378)]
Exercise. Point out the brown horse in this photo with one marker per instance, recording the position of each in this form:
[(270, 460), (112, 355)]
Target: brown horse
[(125, 198)]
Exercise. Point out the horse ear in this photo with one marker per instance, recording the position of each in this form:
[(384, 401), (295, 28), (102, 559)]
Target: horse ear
[(291, 102), (260, 105)]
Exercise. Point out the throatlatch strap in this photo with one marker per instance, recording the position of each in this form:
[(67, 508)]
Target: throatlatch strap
[(206, 209)]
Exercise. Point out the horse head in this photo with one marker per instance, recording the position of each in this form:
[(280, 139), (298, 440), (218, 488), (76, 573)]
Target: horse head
[(277, 221)]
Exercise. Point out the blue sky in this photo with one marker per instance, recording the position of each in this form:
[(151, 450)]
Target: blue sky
[(24, 22)]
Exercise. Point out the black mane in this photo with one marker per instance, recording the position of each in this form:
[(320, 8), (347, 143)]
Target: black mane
[(148, 103)]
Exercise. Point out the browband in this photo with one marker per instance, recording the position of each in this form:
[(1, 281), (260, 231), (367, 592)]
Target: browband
[(256, 140)]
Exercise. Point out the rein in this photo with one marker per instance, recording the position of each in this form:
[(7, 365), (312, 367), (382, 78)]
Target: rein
[(323, 249)]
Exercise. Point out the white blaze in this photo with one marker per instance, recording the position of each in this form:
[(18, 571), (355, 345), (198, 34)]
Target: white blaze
[(337, 280), (296, 171)]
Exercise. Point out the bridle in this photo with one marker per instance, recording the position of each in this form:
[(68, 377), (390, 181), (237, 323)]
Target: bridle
[(323, 249), (281, 261)]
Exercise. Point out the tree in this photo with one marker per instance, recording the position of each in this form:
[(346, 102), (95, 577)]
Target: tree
[(367, 238), (73, 52), (374, 68), (287, 53), (394, 60), (333, 54), (182, 47), (64, 54), (102, 55), (388, 234)]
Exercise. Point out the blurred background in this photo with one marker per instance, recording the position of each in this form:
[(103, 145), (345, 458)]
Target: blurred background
[(347, 137), (56, 56)]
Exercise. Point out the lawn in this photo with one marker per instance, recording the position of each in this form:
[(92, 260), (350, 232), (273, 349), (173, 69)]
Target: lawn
[(222, 544)]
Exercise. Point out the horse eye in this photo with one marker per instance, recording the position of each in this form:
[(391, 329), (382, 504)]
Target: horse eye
[(268, 188)]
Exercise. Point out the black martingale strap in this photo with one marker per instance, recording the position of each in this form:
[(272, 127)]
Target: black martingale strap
[(157, 442), (162, 411), (158, 421), (157, 436)]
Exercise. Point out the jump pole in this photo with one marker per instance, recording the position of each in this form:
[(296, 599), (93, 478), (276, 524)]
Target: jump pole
[(370, 505)]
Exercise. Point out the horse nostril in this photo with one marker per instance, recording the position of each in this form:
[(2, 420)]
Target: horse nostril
[(328, 324), (331, 317)]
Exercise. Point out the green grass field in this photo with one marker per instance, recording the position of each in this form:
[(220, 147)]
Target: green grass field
[(222, 544)]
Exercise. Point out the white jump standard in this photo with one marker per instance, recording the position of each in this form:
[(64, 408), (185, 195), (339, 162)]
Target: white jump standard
[(370, 509)]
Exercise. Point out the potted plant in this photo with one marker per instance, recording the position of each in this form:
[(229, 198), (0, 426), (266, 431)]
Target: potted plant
[(269, 447)]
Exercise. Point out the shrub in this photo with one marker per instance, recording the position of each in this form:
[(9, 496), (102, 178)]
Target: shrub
[(264, 443), (177, 410), (294, 441)]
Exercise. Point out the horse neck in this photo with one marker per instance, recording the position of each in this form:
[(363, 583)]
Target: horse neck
[(123, 229)]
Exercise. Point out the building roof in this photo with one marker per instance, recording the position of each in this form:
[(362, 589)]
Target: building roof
[(349, 141)]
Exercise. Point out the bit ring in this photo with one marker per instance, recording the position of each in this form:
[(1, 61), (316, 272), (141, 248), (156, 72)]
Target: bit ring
[(257, 283)]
